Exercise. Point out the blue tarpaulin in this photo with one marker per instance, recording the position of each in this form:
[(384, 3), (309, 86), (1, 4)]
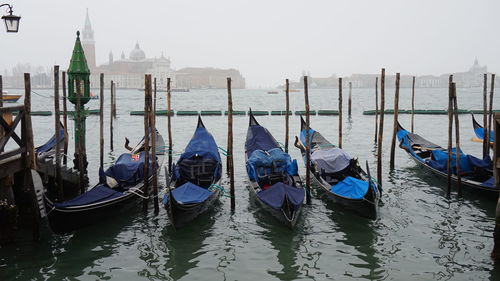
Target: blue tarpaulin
[(480, 134), (274, 196), (262, 163), (351, 188), (303, 136), (50, 144), (190, 193), (489, 183), (129, 169), (203, 144), (441, 157), (485, 163), (97, 194), (259, 137)]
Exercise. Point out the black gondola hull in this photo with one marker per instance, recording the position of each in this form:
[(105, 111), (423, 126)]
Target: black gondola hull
[(182, 214)]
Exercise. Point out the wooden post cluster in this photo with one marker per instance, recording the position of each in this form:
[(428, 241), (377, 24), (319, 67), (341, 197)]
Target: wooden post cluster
[(450, 136), (376, 109), (112, 90), (412, 104), (381, 127), (287, 109), (152, 123), (169, 127), (57, 128), (65, 119), (395, 124), (340, 112), (308, 143), (101, 120), (147, 112), (230, 152), (350, 100)]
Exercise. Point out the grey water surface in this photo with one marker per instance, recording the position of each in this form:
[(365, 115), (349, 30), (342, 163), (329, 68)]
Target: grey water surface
[(419, 235)]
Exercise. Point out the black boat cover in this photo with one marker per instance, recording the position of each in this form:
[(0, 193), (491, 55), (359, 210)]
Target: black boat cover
[(275, 196), (97, 194)]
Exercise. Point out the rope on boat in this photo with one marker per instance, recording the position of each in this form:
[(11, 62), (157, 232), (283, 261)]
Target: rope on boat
[(213, 187), (327, 145), (224, 152), (133, 191)]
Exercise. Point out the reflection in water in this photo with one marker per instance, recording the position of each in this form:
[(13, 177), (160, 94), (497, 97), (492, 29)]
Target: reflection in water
[(361, 234), (184, 245)]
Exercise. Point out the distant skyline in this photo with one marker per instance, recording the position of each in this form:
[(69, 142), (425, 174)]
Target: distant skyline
[(267, 41)]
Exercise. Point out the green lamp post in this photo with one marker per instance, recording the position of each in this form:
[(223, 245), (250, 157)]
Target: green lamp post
[(79, 86)]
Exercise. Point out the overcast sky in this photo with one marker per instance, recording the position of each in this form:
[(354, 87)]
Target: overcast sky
[(266, 40)]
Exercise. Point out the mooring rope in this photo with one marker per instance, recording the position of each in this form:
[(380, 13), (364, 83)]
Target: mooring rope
[(214, 187)]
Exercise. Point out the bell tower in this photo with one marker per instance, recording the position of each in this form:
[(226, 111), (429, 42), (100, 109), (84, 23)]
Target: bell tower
[(88, 42)]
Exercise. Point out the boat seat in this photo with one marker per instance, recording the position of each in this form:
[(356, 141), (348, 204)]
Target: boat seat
[(197, 170)]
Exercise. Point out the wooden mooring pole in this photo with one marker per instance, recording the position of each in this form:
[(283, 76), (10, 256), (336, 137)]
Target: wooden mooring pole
[(495, 254), (490, 112), (1, 91), (376, 109), (381, 127), (413, 105), (485, 116), (395, 123), (101, 120), (111, 115), (57, 127), (152, 117), (457, 139), (30, 157), (340, 112), (450, 136), (65, 119), (169, 127), (350, 100), (230, 151), (114, 100), (287, 109), (308, 143), (147, 112), (80, 152)]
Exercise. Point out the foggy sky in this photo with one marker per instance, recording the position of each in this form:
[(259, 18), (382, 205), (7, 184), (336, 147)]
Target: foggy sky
[(267, 40)]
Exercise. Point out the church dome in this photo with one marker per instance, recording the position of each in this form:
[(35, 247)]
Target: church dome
[(137, 53)]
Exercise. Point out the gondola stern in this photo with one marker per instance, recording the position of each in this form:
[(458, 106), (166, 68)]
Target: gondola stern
[(252, 120)]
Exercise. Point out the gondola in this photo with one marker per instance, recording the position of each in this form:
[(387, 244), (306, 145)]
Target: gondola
[(120, 184), (49, 148), (274, 178), (476, 174), (193, 186), (339, 176), (479, 132)]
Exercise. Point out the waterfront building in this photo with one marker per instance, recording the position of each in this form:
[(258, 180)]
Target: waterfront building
[(208, 78)]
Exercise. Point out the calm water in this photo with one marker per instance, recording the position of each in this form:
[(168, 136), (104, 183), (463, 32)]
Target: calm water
[(419, 235)]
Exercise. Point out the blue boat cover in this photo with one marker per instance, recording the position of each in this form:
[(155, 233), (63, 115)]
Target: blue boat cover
[(97, 194), (480, 134), (275, 195), (351, 188), (129, 169), (441, 157), (489, 183), (259, 137), (51, 143), (485, 163), (303, 136), (190, 193), (203, 144), (262, 163)]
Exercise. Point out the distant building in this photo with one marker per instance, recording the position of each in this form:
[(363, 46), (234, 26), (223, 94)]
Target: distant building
[(208, 78)]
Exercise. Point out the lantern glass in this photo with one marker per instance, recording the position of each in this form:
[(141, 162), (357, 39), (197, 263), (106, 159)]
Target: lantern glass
[(11, 22)]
